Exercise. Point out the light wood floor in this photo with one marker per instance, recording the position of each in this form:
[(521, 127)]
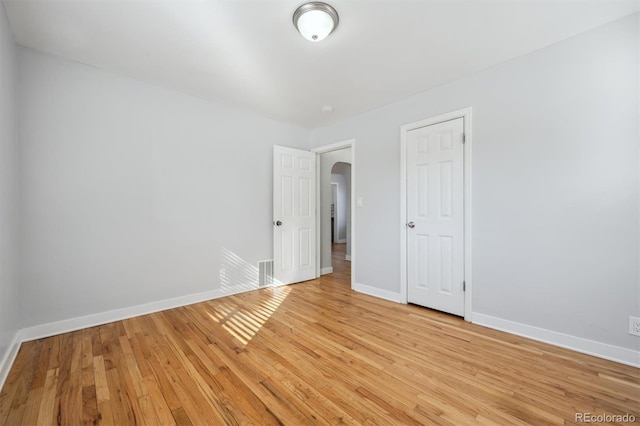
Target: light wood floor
[(310, 353)]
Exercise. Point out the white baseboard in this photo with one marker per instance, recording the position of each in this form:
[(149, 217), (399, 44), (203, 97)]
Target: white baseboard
[(376, 292), (9, 357), (578, 344), (73, 324), (325, 271), (340, 242), (347, 257)]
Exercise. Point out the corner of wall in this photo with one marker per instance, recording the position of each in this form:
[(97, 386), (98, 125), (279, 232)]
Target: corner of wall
[(9, 217), (376, 292), (9, 357)]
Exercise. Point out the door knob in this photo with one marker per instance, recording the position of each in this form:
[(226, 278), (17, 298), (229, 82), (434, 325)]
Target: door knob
[(411, 225), (278, 223)]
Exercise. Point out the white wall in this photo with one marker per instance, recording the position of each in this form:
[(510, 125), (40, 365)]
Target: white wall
[(555, 185), (9, 291), (134, 193), (327, 161)]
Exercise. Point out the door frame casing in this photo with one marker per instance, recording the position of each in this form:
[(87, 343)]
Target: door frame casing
[(465, 114), (349, 143)]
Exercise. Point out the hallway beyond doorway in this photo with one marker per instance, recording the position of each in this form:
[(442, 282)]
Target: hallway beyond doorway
[(341, 267)]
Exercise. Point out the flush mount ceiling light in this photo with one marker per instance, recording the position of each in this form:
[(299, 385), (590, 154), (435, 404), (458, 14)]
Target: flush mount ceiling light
[(315, 20)]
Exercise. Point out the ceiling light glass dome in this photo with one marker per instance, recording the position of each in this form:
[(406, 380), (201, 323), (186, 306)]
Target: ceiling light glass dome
[(315, 20)]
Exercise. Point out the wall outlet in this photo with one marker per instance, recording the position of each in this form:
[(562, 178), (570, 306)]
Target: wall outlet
[(634, 326)]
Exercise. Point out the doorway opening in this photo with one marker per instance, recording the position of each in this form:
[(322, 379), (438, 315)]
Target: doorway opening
[(336, 215)]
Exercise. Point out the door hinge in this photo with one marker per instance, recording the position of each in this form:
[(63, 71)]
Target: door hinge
[(464, 137), (464, 286)]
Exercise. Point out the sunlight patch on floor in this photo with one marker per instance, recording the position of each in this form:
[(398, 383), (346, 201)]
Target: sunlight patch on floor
[(244, 324)]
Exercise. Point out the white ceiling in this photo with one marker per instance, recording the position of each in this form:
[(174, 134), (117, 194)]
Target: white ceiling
[(247, 53)]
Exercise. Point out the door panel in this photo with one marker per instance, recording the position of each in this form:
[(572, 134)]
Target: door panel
[(294, 198), (435, 204)]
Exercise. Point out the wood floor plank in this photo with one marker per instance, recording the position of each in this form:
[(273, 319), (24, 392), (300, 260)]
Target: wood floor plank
[(22, 382), (181, 418), (122, 411), (104, 413), (158, 402), (164, 384), (311, 353), (47, 413)]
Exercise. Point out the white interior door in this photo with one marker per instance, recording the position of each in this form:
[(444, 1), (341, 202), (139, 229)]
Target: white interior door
[(294, 215), (435, 216)]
